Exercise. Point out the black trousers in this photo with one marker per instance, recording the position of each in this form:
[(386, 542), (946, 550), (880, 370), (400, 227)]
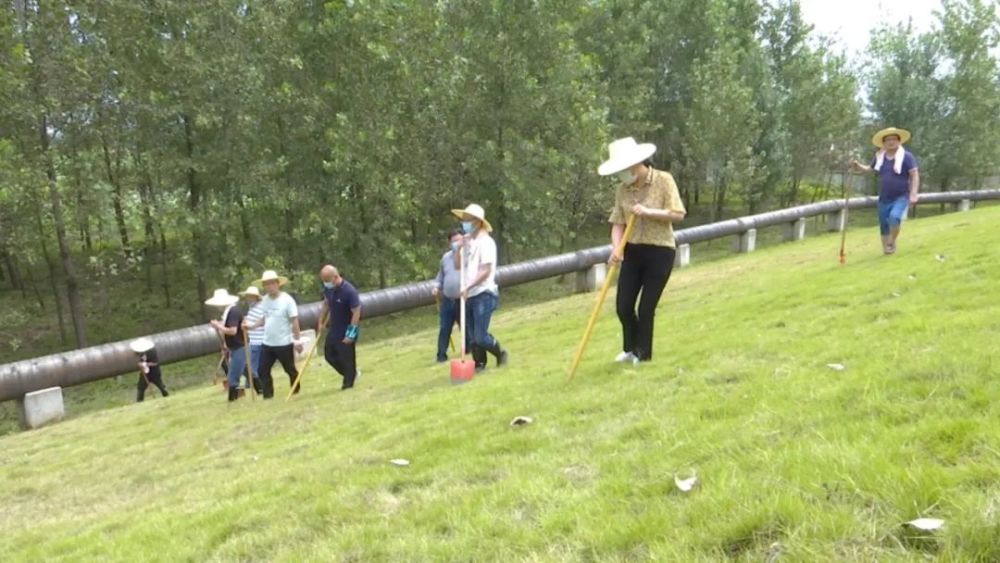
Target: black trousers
[(646, 270), (155, 378), (268, 356), (343, 358)]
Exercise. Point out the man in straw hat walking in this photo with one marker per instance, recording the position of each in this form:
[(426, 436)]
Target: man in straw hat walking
[(255, 337), (342, 302), (281, 331), (480, 286), (149, 368), (229, 326), (648, 259), (899, 182)]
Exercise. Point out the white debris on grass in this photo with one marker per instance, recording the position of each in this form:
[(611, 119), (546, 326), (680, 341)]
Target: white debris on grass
[(836, 367), (521, 421), (685, 485), (926, 524), (400, 462)]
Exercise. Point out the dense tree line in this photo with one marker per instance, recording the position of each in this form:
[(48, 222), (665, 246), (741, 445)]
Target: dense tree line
[(230, 135)]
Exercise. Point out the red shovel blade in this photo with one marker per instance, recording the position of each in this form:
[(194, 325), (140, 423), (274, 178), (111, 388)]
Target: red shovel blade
[(462, 371)]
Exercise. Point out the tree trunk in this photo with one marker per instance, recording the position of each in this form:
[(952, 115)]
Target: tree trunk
[(37, 294), (194, 204), (117, 196), (69, 271), (82, 218), (53, 276)]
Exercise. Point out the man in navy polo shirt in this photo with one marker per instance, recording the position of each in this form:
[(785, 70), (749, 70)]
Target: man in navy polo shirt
[(342, 301), (899, 182)]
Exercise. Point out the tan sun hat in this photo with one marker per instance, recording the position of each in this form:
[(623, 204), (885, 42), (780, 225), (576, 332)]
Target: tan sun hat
[(903, 135), (141, 345), (623, 154), (221, 298), (475, 211), (251, 291), (271, 275)]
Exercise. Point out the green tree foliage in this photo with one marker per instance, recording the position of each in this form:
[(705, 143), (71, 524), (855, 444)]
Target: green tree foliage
[(221, 138)]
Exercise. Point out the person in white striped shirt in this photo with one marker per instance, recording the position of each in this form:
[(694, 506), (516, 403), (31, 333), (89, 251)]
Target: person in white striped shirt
[(255, 312)]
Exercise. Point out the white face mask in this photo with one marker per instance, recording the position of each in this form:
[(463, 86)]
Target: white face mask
[(626, 177)]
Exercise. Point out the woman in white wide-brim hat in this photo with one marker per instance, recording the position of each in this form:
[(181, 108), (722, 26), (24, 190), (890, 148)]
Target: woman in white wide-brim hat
[(651, 197), (899, 182), (230, 330), (149, 368), (255, 312), (482, 293), (282, 335)]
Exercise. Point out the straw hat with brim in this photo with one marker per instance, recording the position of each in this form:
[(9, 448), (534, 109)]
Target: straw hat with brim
[(141, 345), (251, 291), (903, 135), (625, 153), (473, 211), (271, 275), (221, 298)]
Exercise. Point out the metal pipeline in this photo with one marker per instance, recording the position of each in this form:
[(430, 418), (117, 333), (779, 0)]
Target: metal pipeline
[(107, 360)]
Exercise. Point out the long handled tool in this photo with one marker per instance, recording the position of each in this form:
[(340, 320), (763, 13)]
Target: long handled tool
[(462, 369), (451, 338), (843, 231), (246, 351), (612, 270), (309, 357)]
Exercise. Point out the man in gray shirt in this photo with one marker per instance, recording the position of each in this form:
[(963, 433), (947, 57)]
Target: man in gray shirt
[(448, 287)]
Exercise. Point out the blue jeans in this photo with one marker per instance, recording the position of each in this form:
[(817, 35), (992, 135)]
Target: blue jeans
[(479, 312), (237, 366), (448, 318), (891, 213), (255, 360)]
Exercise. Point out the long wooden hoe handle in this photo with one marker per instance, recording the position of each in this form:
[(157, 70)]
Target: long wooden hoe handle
[(599, 305), (309, 356)]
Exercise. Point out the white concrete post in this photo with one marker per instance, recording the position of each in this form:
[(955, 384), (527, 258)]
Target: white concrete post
[(683, 257), (591, 278), (962, 205), (41, 407), (308, 338), (796, 230), (745, 242), (836, 221)]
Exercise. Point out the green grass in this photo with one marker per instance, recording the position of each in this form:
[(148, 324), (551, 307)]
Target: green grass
[(794, 458)]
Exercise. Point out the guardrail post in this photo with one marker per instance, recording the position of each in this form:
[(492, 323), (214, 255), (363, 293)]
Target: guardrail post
[(836, 221), (683, 256), (745, 241), (796, 230), (41, 407), (962, 205), (591, 278)]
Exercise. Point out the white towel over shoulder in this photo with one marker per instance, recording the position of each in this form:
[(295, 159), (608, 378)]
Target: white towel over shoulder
[(897, 163)]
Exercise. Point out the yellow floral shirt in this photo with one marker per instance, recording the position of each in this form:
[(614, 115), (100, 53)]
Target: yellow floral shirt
[(659, 191)]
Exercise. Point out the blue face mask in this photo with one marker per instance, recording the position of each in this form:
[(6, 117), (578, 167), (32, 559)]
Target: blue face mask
[(454, 246), (328, 285), (467, 227)]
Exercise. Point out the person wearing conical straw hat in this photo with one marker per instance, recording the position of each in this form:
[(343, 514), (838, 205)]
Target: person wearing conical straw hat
[(255, 337), (281, 331), (651, 196), (480, 285), (898, 180), (149, 368), (229, 327)]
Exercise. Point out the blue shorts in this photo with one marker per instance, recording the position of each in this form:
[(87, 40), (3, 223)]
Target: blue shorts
[(891, 213)]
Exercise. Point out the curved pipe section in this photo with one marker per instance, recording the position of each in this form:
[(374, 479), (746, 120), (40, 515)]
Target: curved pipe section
[(107, 360)]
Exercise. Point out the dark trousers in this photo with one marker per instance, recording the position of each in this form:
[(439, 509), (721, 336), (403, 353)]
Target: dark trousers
[(154, 379), (448, 318), (343, 358), (646, 270), (268, 356)]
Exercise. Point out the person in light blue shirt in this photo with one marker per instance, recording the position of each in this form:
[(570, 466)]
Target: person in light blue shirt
[(448, 289), (281, 332)]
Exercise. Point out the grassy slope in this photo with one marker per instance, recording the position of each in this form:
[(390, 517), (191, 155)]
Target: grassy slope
[(793, 457)]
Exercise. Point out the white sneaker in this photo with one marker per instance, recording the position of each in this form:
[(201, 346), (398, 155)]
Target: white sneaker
[(626, 357)]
